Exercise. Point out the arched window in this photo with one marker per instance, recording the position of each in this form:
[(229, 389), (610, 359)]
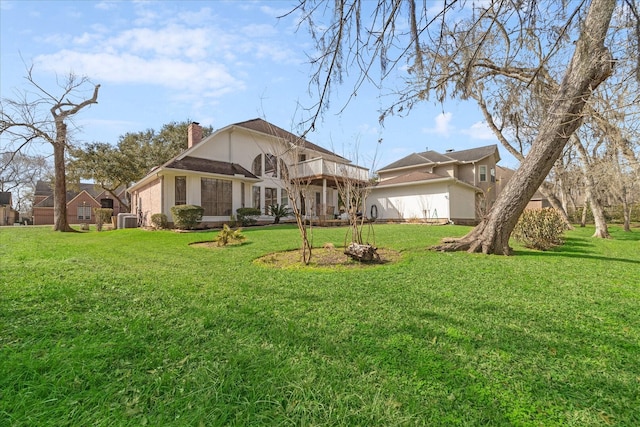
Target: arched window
[(256, 167), (270, 165)]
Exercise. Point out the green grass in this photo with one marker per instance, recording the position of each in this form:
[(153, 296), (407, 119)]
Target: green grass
[(131, 327)]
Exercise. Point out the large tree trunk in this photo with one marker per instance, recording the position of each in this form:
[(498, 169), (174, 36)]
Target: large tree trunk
[(626, 210), (60, 221), (591, 194), (583, 218), (591, 65), (602, 231)]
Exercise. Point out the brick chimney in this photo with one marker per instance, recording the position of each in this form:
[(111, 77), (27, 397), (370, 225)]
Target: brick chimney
[(194, 134)]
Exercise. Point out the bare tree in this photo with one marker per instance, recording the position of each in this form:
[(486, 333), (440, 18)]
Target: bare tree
[(353, 189), (24, 120), (296, 186), (432, 39), (284, 159), (19, 174)]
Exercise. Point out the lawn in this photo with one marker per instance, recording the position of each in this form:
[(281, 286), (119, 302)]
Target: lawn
[(132, 327)]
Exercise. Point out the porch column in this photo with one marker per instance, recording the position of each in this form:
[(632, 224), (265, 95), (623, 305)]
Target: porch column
[(324, 197)]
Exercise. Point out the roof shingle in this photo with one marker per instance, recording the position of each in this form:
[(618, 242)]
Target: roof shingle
[(265, 127), (433, 157), (197, 164)]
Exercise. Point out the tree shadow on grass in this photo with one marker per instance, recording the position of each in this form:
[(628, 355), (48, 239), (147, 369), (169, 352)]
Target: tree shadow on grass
[(574, 248), (632, 236)]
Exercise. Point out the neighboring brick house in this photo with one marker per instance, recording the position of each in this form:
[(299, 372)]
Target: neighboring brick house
[(8, 215), (80, 203), (457, 186)]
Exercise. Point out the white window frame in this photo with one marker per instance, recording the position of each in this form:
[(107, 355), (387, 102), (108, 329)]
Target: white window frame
[(481, 173)]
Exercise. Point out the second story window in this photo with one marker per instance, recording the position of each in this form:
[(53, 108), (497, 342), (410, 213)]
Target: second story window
[(270, 165), (482, 172)]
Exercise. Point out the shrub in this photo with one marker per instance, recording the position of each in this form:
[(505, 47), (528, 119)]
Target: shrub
[(159, 221), (102, 215), (539, 229), (279, 211), (186, 217), (248, 216), (227, 235)]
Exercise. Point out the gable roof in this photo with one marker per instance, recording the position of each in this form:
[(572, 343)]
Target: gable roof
[(45, 189), (197, 164), (474, 154), (262, 126), (418, 177), (433, 157)]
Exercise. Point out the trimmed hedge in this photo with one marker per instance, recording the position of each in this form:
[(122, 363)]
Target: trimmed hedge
[(159, 221), (248, 216), (186, 217)]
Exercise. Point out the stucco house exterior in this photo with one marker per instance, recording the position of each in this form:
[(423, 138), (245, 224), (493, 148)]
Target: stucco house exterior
[(243, 165), (80, 203), (456, 186)]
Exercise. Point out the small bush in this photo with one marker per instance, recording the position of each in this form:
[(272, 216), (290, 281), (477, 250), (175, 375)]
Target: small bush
[(186, 217), (539, 229), (102, 215), (159, 221), (227, 235), (248, 216)]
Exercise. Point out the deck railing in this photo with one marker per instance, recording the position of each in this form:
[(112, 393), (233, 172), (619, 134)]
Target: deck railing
[(320, 167)]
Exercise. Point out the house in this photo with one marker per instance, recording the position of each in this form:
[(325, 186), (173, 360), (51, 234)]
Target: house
[(246, 164), (8, 216), (80, 203), (455, 186)]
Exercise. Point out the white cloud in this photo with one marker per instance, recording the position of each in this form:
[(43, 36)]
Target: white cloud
[(442, 125), (479, 130), (87, 39), (190, 53), (202, 78), (275, 12), (368, 129), (106, 5)]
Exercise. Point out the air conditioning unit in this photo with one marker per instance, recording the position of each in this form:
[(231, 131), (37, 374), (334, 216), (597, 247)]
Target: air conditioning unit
[(127, 220)]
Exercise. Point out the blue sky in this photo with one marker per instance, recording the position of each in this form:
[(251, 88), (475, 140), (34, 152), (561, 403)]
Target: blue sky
[(217, 63)]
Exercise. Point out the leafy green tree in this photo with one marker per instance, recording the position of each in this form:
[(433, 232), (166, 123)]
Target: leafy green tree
[(112, 167)]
